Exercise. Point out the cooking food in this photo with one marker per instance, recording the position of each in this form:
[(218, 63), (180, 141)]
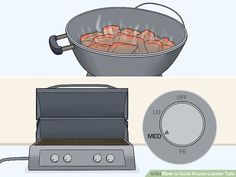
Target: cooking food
[(131, 32), (154, 45), (147, 35), (121, 47), (87, 39), (144, 56), (102, 47), (104, 39), (111, 29), (125, 41)]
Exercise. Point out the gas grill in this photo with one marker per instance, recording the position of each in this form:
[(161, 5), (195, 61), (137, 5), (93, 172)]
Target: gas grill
[(82, 127)]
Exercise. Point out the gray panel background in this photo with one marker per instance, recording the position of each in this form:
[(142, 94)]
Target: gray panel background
[(167, 151)]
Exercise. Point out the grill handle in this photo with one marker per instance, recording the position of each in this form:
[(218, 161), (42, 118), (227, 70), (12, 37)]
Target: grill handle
[(81, 85), (153, 3), (56, 49)]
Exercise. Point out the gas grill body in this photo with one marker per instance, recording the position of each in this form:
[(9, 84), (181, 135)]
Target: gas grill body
[(81, 129)]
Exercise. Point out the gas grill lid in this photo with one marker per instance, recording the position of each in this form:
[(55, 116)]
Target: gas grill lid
[(82, 101), (82, 111)]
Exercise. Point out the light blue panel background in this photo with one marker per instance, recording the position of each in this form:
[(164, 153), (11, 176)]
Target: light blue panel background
[(26, 25)]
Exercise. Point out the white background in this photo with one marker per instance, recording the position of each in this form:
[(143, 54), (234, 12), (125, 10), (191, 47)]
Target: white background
[(26, 26)]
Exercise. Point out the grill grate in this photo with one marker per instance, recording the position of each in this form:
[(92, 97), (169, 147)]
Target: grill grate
[(83, 141)]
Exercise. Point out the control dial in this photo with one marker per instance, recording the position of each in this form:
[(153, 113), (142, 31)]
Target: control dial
[(97, 158), (67, 158), (179, 127), (54, 158), (182, 124), (110, 158)]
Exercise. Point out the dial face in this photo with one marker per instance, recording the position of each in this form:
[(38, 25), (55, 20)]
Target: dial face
[(179, 127), (97, 158), (182, 124), (110, 158), (54, 158), (67, 158)]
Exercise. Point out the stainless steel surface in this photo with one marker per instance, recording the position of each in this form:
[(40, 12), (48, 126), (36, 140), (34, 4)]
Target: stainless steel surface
[(83, 157), (62, 36), (68, 47)]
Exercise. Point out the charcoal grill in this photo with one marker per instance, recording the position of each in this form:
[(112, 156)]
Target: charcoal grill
[(100, 63)]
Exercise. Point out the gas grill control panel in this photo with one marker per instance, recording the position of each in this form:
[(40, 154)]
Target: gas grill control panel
[(82, 157), (179, 127)]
